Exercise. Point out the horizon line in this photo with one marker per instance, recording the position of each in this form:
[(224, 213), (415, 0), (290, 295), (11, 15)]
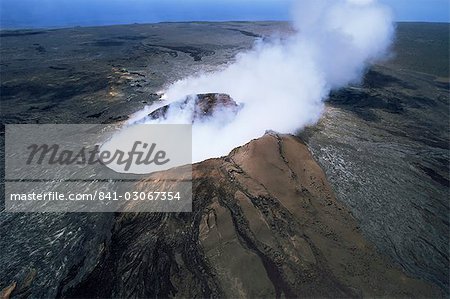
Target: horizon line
[(12, 28)]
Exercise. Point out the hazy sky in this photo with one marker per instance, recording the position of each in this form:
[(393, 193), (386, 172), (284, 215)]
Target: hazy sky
[(60, 13)]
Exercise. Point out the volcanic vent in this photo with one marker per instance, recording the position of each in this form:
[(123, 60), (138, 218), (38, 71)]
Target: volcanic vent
[(199, 107)]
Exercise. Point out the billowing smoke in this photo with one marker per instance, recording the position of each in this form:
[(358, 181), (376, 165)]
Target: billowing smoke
[(282, 83)]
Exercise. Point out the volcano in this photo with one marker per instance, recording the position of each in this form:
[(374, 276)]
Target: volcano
[(265, 223)]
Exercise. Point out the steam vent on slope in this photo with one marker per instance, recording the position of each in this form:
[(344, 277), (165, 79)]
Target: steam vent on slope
[(199, 107), (264, 223)]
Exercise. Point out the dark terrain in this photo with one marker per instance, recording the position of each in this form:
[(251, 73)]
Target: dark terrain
[(383, 145)]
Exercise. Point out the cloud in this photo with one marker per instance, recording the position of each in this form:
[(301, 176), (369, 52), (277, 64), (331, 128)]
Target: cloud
[(282, 83)]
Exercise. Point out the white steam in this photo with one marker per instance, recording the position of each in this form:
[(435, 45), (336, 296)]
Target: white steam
[(282, 83)]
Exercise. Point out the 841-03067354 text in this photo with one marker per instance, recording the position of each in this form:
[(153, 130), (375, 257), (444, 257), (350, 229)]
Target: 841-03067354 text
[(97, 195)]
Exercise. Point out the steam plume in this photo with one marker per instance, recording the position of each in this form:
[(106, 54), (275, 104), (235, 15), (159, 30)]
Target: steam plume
[(282, 83)]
